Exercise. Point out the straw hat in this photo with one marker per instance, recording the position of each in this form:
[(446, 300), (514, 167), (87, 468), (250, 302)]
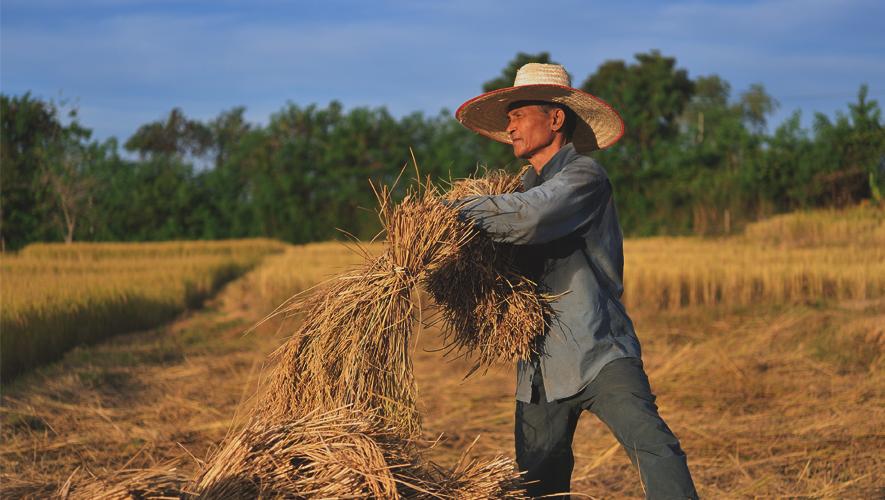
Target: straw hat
[(598, 125)]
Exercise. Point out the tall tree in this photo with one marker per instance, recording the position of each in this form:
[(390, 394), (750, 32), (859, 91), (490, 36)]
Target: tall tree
[(68, 179), (28, 126), (849, 150), (176, 136), (42, 171), (226, 131), (650, 95), (757, 105)]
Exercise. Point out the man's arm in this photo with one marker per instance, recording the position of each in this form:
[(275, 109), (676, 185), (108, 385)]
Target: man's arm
[(573, 198)]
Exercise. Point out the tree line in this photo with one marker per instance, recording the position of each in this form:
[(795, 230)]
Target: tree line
[(696, 158)]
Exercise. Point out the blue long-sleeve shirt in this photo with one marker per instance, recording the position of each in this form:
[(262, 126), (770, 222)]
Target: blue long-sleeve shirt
[(571, 243)]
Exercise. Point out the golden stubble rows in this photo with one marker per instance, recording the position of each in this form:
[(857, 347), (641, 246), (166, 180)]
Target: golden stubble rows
[(804, 257), (675, 273)]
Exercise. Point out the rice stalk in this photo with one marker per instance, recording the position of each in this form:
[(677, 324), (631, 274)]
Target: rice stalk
[(155, 483), (341, 453), (350, 349)]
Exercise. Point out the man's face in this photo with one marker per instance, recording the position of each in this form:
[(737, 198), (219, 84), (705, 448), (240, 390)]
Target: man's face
[(530, 129)]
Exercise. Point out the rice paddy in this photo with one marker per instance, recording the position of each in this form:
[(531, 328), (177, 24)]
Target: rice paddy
[(676, 273), (57, 296), (766, 354)]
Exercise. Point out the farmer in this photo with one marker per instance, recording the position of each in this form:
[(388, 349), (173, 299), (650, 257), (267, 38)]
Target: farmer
[(566, 222)]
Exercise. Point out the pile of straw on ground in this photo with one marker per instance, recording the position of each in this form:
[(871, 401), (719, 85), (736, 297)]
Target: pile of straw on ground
[(335, 454), (343, 453), (166, 482)]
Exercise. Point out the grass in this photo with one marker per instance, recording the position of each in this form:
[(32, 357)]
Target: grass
[(143, 396), (58, 296)]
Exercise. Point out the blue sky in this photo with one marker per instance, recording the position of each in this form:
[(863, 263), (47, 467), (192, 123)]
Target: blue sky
[(127, 62)]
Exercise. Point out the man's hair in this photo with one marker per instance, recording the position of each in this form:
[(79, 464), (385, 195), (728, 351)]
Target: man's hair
[(571, 119)]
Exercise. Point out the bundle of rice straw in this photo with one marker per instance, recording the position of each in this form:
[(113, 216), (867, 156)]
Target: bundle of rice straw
[(352, 345), (493, 312), (351, 349), (340, 416)]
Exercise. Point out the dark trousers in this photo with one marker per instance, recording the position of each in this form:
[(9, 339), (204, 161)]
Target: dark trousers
[(621, 397)]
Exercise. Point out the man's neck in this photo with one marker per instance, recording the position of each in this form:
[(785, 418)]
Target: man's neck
[(540, 158)]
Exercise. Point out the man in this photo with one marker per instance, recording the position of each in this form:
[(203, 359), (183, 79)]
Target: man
[(567, 223)]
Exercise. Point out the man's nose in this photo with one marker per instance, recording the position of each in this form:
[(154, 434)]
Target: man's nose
[(511, 128)]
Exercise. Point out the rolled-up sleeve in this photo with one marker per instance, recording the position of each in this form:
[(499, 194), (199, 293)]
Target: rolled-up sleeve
[(572, 199)]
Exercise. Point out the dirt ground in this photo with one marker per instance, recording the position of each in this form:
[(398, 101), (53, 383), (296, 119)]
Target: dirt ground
[(768, 402)]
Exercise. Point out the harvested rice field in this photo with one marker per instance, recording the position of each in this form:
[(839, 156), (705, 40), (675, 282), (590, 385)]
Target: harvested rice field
[(765, 352)]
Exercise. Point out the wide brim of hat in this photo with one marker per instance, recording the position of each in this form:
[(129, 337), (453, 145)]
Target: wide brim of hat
[(599, 125)]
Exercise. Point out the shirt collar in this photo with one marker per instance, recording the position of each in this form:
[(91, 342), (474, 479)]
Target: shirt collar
[(559, 160), (562, 157)]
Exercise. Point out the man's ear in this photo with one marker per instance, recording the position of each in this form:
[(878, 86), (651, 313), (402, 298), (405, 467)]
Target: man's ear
[(558, 119)]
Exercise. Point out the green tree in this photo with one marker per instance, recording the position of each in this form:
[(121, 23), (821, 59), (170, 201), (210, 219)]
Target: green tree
[(29, 127), (68, 179), (756, 105), (226, 131), (176, 136), (847, 153), (44, 182), (650, 95), (109, 200)]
